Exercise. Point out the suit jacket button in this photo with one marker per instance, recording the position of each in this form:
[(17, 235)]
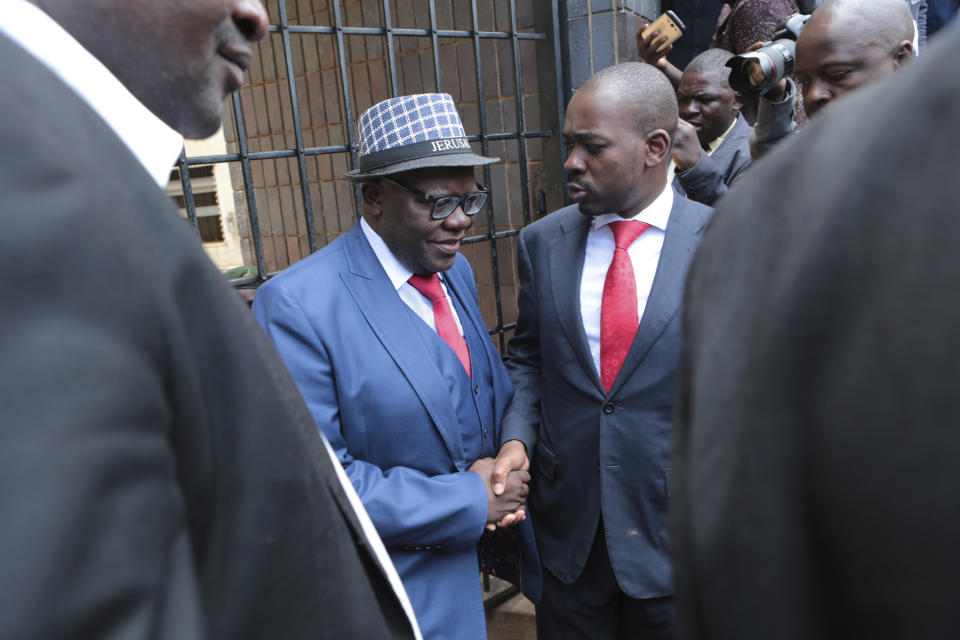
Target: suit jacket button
[(476, 389), (608, 408)]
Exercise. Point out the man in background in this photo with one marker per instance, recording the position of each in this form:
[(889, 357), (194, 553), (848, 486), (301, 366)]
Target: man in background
[(161, 475), (711, 150), (845, 45)]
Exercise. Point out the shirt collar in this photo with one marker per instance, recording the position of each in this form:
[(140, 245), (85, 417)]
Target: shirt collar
[(397, 273), (154, 144), (656, 214), (713, 146)]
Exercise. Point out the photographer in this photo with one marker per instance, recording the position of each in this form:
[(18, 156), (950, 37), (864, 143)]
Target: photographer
[(845, 45)]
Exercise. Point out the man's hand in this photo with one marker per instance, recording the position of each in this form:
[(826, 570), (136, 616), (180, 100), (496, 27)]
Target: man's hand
[(647, 48), (507, 506), (512, 456), (686, 149)]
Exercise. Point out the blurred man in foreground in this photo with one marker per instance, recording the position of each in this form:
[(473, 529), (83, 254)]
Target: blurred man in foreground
[(817, 453), (161, 476)]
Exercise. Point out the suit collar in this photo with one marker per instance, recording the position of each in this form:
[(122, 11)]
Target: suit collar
[(392, 322)]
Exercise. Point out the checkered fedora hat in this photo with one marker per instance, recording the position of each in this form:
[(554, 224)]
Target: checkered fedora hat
[(411, 132)]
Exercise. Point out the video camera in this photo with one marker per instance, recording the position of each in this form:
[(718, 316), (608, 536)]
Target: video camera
[(756, 72)]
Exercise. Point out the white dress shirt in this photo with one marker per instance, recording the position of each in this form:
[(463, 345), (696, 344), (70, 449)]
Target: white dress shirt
[(644, 254), (157, 147), (399, 275), (154, 144)]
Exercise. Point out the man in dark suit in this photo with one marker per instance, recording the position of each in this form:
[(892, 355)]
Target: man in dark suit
[(383, 334), (711, 150), (161, 475), (817, 454), (593, 359)]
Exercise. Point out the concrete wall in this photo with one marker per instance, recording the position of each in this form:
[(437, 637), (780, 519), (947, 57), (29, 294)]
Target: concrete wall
[(600, 33)]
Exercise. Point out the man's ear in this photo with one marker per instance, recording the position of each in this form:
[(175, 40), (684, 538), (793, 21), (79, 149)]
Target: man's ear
[(370, 197), (902, 53), (657, 147), (737, 100)]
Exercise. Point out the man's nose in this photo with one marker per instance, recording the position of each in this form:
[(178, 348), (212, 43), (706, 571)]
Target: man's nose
[(251, 19), (816, 96), (458, 220), (574, 162)]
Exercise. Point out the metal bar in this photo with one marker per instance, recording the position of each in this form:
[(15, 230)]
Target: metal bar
[(506, 327), (562, 97), (436, 46), (485, 147), (499, 235), (522, 143), (297, 126), (347, 102), (416, 33), (317, 151), (187, 191), (248, 184), (391, 51)]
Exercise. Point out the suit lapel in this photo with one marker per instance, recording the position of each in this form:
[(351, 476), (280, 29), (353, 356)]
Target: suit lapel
[(566, 255), (393, 323), (458, 287), (666, 294)]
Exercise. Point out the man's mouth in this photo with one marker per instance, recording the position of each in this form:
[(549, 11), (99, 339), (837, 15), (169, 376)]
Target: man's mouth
[(238, 60), (575, 191), (451, 246)]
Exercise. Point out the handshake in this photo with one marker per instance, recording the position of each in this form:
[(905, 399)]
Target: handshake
[(507, 480)]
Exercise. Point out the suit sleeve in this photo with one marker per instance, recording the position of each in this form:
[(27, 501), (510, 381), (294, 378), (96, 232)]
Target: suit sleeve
[(407, 506), (706, 181), (94, 540), (522, 419), (774, 122)]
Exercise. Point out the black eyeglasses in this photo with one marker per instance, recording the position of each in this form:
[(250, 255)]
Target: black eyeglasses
[(443, 206)]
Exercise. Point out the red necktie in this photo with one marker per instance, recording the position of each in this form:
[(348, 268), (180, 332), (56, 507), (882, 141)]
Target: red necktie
[(618, 311), (442, 315)]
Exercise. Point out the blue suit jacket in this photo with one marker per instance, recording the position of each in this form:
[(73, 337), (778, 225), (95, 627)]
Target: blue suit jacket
[(596, 453), (374, 389)]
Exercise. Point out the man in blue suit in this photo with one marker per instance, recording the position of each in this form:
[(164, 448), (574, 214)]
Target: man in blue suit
[(382, 333), (594, 358)]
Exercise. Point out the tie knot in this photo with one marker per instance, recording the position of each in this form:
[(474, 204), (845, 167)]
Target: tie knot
[(626, 231), (428, 286)]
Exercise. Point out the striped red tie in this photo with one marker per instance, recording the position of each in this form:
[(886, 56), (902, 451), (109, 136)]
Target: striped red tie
[(442, 315)]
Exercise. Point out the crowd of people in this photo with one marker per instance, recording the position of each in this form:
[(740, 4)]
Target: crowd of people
[(729, 424)]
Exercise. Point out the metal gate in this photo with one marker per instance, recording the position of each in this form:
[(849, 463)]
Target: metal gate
[(273, 182)]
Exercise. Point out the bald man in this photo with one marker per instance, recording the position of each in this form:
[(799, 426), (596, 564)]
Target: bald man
[(593, 361), (846, 44)]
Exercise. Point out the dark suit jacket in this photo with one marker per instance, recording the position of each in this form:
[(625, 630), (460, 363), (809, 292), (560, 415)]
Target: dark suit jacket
[(817, 445), (594, 452), (714, 174), (161, 477)]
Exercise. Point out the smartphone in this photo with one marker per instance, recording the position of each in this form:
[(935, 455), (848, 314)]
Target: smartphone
[(668, 24)]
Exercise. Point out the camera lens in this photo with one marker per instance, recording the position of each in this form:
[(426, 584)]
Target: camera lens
[(754, 73)]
